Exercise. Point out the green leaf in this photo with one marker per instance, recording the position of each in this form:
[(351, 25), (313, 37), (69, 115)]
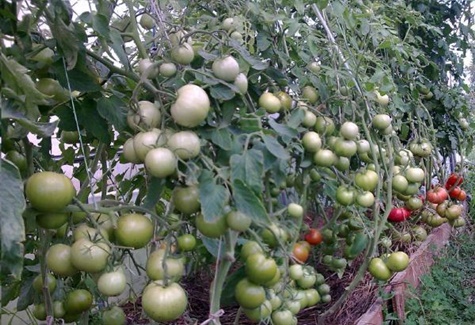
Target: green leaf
[(154, 193), (12, 230), (248, 203), (68, 42), (249, 168), (27, 294), (114, 110), (221, 92), (78, 78), (222, 138), (117, 44), (283, 129), (275, 148), (322, 4), (42, 129), (97, 125), (256, 64), (213, 197), (16, 77)]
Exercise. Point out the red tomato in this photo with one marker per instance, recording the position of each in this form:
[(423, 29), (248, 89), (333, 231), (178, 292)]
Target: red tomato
[(313, 236), (462, 196), (455, 192), (399, 214), (437, 195), (300, 252), (453, 180)]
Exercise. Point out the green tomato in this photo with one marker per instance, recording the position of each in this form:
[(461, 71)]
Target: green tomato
[(249, 295), (211, 228), (49, 191), (260, 269)]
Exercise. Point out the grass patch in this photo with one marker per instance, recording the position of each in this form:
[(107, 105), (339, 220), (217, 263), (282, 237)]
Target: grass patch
[(446, 295)]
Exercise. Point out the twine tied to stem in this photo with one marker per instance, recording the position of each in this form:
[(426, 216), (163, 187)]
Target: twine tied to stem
[(213, 317)]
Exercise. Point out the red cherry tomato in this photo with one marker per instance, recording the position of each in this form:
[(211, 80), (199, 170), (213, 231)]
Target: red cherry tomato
[(313, 236)]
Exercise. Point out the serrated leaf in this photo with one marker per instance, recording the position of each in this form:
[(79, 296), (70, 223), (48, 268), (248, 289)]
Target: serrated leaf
[(248, 203), (78, 78), (275, 148), (249, 168), (27, 293), (42, 129), (10, 292), (16, 78), (207, 56), (96, 126), (209, 80), (100, 24), (255, 63), (283, 129), (154, 193), (213, 197), (68, 42), (117, 44), (12, 230), (221, 92), (114, 110), (222, 138)]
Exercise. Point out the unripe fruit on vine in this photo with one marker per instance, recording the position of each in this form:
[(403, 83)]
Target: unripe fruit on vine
[(184, 144), (167, 69), (147, 67), (349, 131), (311, 141), (381, 121), (309, 119), (310, 93), (128, 152), (242, 83), (160, 162), (270, 102), (191, 106), (146, 116), (182, 54), (228, 24), (226, 68), (146, 141), (146, 21), (382, 99)]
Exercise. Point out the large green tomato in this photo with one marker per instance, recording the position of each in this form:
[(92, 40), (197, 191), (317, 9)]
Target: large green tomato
[(270, 102), (133, 230), (213, 228), (379, 270), (238, 221), (182, 54), (160, 162), (158, 267), (49, 191), (164, 303), (78, 301), (260, 269), (186, 199), (191, 106), (114, 316), (146, 116), (52, 220), (50, 283), (397, 261), (248, 294), (112, 283), (185, 144), (58, 260), (90, 256), (146, 141), (226, 68)]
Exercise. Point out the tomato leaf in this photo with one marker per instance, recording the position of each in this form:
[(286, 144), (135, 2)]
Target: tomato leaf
[(222, 138), (27, 293), (248, 203), (97, 126), (154, 193), (255, 63), (213, 197), (275, 148), (12, 231), (282, 129), (79, 78), (43, 129), (114, 110), (117, 44), (249, 168), (213, 246), (17, 79), (222, 92), (67, 40)]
